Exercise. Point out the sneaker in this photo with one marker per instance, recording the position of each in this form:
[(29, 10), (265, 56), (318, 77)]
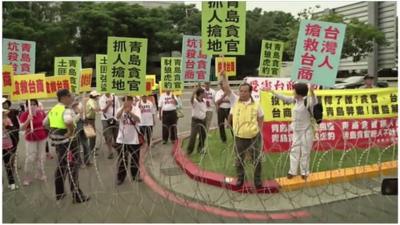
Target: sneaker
[(12, 187), (289, 176), (164, 142), (26, 182)]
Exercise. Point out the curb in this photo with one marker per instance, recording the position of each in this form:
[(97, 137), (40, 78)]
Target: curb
[(282, 183)]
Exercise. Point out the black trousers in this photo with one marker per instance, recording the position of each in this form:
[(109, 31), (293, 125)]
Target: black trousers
[(8, 159), (169, 126), (123, 154), (223, 115), (198, 127), (68, 167), (242, 145), (147, 131), (83, 140)]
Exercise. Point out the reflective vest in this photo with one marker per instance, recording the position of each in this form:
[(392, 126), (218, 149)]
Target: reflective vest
[(244, 120), (56, 117)]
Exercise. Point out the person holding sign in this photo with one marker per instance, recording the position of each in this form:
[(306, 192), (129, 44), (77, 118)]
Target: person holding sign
[(35, 140), (128, 139), (368, 82), (148, 111), (61, 120), (109, 104), (8, 147), (303, 132), (223, 104), (246, 117), (91, 108), (209, 98), (168, 116), (199, 110)]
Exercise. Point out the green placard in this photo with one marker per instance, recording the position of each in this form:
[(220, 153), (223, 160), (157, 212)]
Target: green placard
[(271, 58), (71, 66), (223, 27), (101, 73), (171, 75), (126, 66)]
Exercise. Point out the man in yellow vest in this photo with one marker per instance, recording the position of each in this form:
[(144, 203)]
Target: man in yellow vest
[(246, 118), (62, 132)]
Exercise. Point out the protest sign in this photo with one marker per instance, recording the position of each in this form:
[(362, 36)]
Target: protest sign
[(271, 58), (171, 73), (195, 65), (28, 86), (71, 66), (20, 54), (101, 73), (126, 67), (223, 27), (318, 50)]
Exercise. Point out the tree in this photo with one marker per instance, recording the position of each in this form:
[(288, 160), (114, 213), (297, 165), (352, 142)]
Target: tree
[(359, 38)]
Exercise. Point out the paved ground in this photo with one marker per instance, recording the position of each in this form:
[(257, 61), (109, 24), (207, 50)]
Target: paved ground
[(167, 195)]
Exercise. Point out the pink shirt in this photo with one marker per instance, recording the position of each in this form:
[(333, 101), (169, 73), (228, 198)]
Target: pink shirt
[(39, 132)]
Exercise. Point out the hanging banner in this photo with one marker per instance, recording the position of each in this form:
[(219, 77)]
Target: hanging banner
[(171, 73), (126, 68), (101, 73), (20, 54), (195, 65), (8, 72), (356, 118), (55, 83), (28, 87), (258, 83), (271, 58), (318, 50), (71, 66), (86, 80), (223, 27), (229, 65)]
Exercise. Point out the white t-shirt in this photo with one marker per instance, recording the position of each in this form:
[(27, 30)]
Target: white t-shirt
[(209, 98), (103, 103), (127, 133), (218, 96), (166, 102), (199, 109), (147, 111)]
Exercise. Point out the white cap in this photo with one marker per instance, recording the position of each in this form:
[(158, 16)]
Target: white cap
[(94, 93)]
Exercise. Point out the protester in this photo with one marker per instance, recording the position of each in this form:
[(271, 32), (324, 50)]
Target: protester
[(223, 104), (209, 98), (148, 112), (8, 149), (303, 131), (61, 121), (82, 139), (199, 110), (368, 82), (109, 104), (246, 117), (90, 116), (129, 117), (13, 114), (35, 141), (168, 116)]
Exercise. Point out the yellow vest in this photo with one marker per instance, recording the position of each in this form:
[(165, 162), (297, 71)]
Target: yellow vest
[(244, 120), (56, 117)]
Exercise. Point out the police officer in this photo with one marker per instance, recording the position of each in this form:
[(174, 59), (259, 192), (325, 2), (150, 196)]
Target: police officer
[(61, 120)]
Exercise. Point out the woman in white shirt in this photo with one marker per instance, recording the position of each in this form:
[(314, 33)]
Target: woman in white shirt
[(129, 117), (148, 112), (303, 134), (168, 116), (199, 109)]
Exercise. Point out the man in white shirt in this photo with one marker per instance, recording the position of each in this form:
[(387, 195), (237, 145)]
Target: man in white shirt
[(223, 104), (109, 104), (168, 116), (148, 112), (129, 117), (209, 99), (199, 110)]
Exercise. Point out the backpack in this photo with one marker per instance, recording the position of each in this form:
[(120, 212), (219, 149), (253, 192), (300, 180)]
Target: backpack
[(317, 111)]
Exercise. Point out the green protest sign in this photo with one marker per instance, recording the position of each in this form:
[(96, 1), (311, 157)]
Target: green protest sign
[(223, 27), (101, 73), (171, 73), (126, 66), (71, 66), (270, 58), (318, 50)]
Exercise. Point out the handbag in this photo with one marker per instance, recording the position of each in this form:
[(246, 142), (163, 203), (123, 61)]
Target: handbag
[(179, 113), (89, 130)]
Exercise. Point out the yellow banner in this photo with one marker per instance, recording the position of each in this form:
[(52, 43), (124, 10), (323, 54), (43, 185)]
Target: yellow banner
[(8, 72), (28, 87), (229, 63), (338, 104), (86, 80), (55, 83)]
